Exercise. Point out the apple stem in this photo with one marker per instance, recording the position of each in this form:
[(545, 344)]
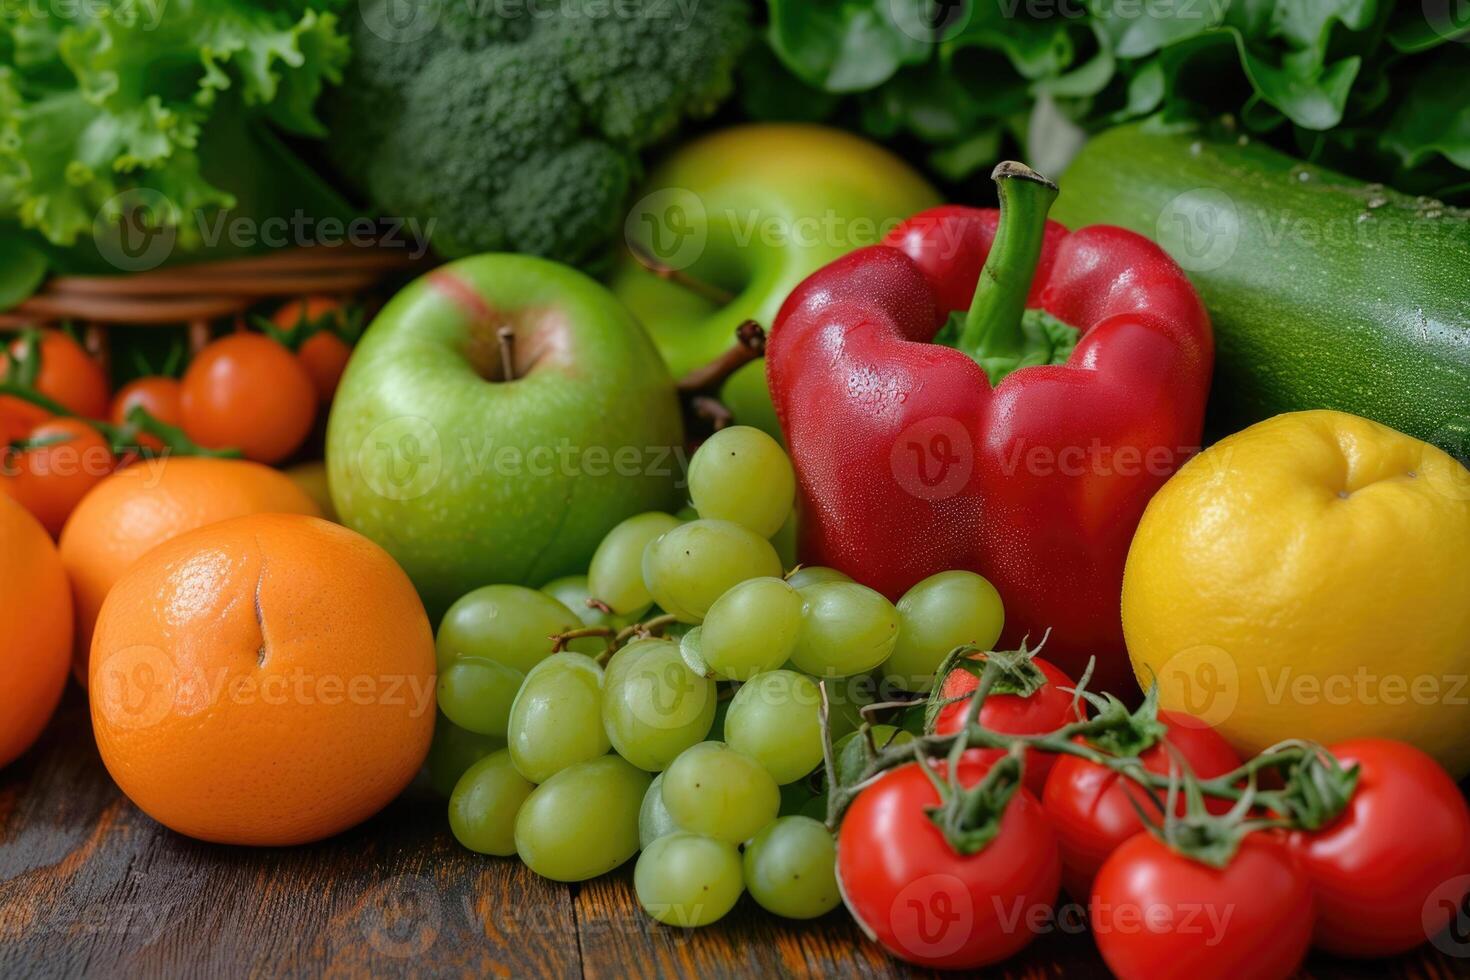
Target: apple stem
[(706, 290), (750, 344), (507, 337)]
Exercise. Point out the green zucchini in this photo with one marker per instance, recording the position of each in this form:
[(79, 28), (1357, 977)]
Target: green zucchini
[(1324, 292)]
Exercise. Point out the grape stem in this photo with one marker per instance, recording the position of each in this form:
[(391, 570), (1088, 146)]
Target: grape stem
[(616, 638)]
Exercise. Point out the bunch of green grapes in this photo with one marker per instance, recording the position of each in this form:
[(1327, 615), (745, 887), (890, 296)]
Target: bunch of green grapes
[(696, 738)]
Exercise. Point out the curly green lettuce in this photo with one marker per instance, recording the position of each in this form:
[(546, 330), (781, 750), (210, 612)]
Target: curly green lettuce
[(103, 98)]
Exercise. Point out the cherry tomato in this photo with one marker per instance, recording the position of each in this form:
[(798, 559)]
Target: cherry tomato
[(1159, 915), (323, 352), (324, 355), (158, 395), (1046, 710), (927, 903), (51, 477), (248, 392), (68, 374), (1394, 868), (1089, 804)]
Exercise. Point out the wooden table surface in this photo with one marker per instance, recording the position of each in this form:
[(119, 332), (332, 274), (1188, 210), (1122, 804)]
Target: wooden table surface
[(89, 886)]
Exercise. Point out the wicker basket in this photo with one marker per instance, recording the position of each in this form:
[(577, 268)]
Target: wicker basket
[(199, 296)]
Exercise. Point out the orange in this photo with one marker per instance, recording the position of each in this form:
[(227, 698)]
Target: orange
[(151, 501), (35, 606), (266, 680)]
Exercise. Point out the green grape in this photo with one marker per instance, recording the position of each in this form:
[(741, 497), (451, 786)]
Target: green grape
[(616, 573), (694, 564), (687, 513), (741, 474), (476, 694), (851, 755), (653, 705), (751, 629), (938, 614), (582, 822), (556, 719), (653, 817), (775, 718), (453, 750), (812, 574), (573, 592), (690, 648), (846, 629), (713, 790), (790, 868), (484, 804), (687, 880), (507, 623)]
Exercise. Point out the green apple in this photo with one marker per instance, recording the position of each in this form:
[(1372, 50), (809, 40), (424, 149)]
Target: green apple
[(752, 211), (469, 474)]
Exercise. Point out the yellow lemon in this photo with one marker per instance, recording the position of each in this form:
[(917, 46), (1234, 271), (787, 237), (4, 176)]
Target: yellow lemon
[(1309, 577)]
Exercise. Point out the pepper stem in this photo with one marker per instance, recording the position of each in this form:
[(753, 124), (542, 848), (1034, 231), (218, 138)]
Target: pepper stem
[(992, 328)]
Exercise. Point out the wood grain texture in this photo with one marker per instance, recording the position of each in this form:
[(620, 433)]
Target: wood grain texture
[(90, 887)]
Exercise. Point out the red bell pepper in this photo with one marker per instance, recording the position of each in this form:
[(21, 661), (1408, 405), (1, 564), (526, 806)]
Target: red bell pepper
[(1000, 448)]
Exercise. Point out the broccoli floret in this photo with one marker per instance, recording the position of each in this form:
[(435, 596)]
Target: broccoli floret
[(654, 70), (521, 131)]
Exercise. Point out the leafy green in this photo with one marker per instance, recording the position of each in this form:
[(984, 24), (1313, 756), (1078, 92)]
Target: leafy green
[(1365, 85), (845, 45), (113, 96)]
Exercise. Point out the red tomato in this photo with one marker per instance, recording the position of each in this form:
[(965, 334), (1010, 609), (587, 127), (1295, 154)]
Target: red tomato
[(1046, 710), (48, 480), (324, 355), (322, 352), (68, 375), (925, 902), (1089, 804), (1393, 869), (248, 392), (158, 395), (1158, 915)]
